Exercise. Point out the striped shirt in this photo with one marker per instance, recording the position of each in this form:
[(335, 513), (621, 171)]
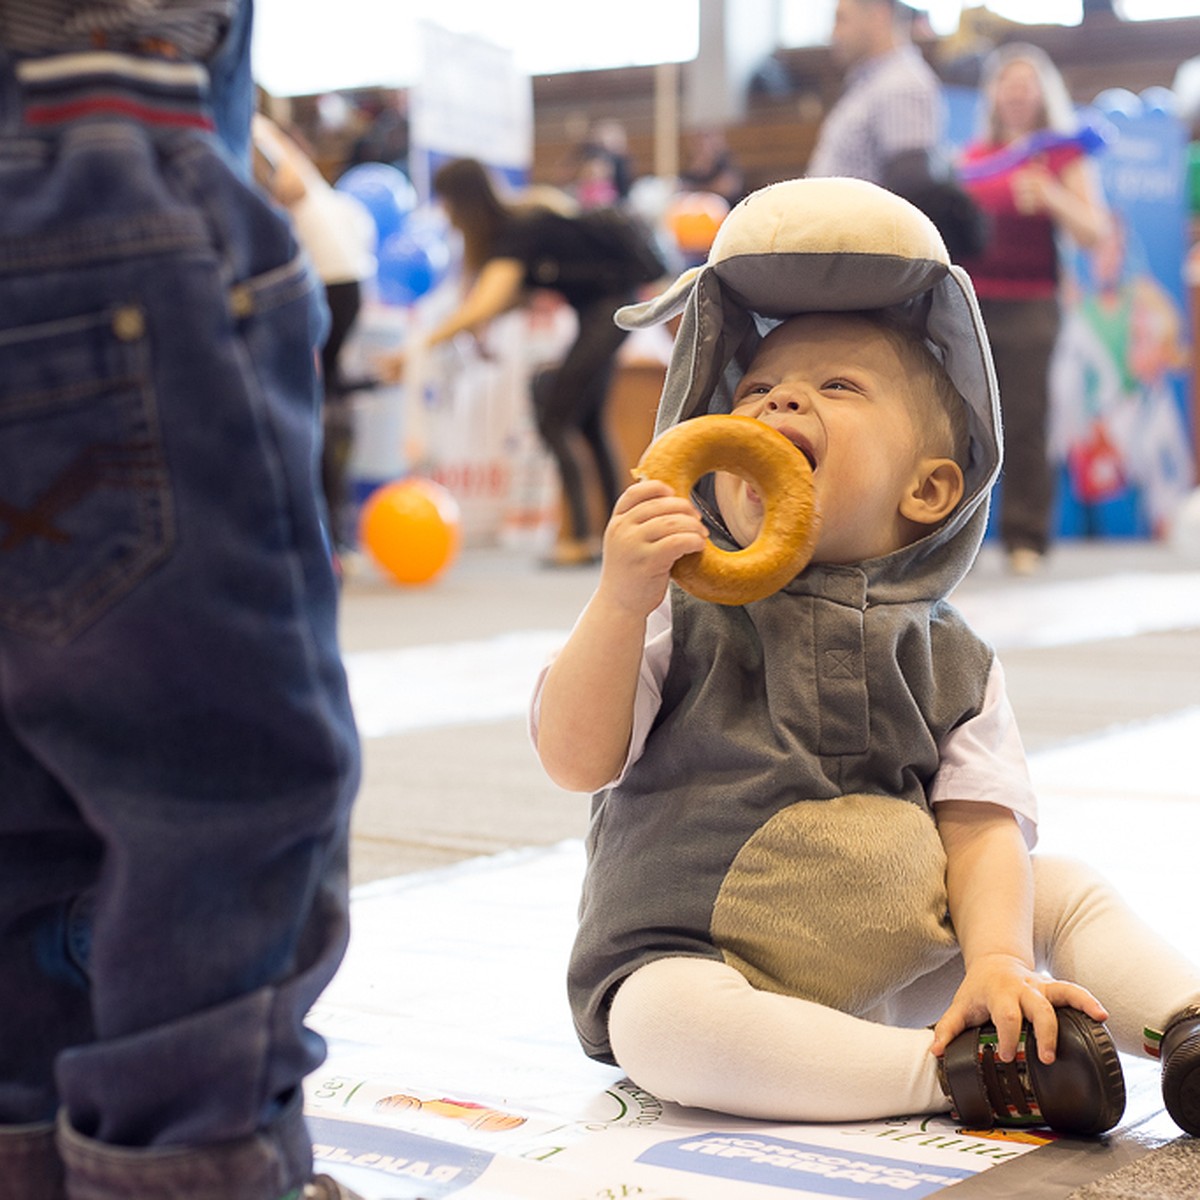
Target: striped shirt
[(891, 104), (190, 29)]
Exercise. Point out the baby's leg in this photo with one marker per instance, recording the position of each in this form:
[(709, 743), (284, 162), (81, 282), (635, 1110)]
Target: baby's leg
[(1086, 933), (696, 1032)]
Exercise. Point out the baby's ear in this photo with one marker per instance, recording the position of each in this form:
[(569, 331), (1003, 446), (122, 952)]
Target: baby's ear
[(936, 489)]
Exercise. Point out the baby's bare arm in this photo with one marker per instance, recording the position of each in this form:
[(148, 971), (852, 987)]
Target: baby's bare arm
[(588, 696), (989, 880)]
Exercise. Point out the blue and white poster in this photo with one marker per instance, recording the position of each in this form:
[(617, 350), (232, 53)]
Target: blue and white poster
[(1119, 433), (1120, 415), (470, 101)]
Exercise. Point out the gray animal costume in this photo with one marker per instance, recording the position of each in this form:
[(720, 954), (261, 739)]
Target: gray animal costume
[(777, 818)]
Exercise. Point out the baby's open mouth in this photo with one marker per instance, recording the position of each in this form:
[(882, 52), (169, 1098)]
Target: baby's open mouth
[(802, 445)]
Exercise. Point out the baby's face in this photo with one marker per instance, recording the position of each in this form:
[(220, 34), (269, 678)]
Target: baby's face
[(837, 387)]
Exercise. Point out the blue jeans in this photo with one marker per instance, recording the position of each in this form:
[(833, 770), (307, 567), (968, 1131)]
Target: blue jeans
[(177, 752)]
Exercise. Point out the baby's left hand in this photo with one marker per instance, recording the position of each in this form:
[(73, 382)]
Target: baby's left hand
[(1002, 989)]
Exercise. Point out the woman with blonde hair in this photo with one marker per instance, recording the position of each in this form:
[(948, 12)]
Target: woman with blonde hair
[(1034, 190)]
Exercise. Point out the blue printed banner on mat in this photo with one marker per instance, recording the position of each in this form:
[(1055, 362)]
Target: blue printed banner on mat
[(412, 1165), (777, 1162)]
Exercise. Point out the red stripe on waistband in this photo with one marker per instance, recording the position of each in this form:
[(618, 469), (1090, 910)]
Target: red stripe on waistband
[(53, 114)]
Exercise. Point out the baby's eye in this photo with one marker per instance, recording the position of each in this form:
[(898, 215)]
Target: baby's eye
[(837, 385), (752, 394)]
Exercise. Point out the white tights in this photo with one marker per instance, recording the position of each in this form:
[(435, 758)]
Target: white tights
[(696, 1032)]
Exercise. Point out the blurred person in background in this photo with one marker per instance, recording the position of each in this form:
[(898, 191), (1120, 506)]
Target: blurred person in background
[(888, 126), (603, 174), (339, 236), (1031, 200), (596, 266), (711, 167)]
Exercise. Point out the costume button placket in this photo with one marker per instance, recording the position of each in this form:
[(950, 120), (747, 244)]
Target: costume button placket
[(842, 675)]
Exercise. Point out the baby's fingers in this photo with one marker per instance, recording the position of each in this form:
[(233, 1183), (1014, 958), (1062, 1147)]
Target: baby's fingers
[(945, 1031), (961, 1015), (1008, 1016), (651, 491), (1040, 1013), (1043, 1012), (1072, 995)]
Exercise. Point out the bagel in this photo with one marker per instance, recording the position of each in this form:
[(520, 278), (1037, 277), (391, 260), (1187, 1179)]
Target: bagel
[(780, 474)]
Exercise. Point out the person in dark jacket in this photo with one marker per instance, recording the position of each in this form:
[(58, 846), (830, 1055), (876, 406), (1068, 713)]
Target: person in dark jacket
[(508, 250)]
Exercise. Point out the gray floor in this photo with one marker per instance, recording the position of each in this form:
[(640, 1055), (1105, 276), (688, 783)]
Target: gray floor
[(434, 795), (437, 795)]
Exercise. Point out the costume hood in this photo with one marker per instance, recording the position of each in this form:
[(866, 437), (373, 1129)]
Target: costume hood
[(835, 245)]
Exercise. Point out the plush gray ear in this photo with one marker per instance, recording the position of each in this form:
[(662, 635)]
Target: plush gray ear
[(713, 329), (662, 307), (710, 332)]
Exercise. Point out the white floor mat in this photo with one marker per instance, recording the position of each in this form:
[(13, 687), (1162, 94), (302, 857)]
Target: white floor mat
[(454, 1070)]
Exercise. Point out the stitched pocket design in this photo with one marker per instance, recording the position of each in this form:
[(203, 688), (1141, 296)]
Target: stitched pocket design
[(85, 507)]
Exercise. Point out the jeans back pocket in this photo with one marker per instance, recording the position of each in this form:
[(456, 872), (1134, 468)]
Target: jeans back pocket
[(85, 501)]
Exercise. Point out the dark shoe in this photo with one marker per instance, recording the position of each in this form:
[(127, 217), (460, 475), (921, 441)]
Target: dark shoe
[(323, 1187), (1081, 1092), (1024, 560), (1180, 1052)]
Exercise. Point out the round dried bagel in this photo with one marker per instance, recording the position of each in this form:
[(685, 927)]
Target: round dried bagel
[(780, 474)]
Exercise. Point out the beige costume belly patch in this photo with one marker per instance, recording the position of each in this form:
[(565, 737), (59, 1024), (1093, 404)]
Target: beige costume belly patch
[(839, 901)]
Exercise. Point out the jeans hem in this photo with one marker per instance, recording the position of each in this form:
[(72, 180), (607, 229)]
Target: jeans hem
[(30, 1168), (271, 1163)]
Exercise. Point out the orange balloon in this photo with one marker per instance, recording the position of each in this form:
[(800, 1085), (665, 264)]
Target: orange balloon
[(694, 219), (411, 529)]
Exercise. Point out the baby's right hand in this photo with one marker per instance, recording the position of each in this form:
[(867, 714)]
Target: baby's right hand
[(650, 528)]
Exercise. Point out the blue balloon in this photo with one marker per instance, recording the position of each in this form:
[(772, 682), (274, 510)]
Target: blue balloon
[(384, 191), (1160, 100), (1118, 102), (411, 263)]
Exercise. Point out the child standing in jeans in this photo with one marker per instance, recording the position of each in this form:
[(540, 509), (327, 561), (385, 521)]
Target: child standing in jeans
[(177, 752)]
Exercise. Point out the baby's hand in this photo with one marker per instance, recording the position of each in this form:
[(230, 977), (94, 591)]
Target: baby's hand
[(1005, 991), (649, 529)]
